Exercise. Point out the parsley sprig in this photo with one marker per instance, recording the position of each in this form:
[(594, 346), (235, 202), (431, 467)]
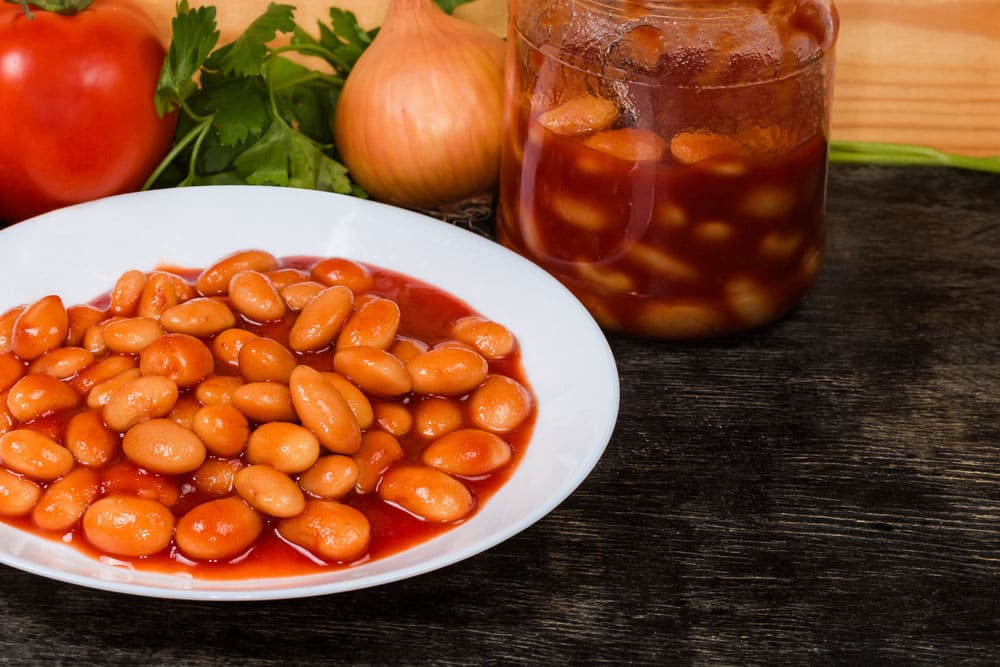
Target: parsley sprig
[(247, 114)]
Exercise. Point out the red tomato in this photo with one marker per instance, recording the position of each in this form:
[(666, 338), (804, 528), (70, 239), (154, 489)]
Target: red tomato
[(76, 106)]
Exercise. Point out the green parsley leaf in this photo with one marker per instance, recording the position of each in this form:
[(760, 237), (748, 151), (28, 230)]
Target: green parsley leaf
[(340, 43), (241, 109), (194, 37), (304, 98), (312, 168), (287, 158), (247, 54)]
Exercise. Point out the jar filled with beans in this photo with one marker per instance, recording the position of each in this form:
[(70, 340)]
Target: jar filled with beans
[(666, 159)]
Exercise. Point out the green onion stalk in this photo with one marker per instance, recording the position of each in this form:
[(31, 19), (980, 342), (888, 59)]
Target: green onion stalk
[(904, 155)]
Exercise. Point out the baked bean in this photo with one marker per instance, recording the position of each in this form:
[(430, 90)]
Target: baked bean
[(340, 271), (11, 370), (125, 295), (215, 476), (580, 115), (201, 317), (780, 246), (321, 319), (500, 404), (714, 231), (453, 344), (61, 363), (629, 144), (131, 335), (491, 339), (146, 397), (287, 447), (379, 450), (447, 371), (99, 396), (36, 395), (178, 356), (690, 147), (331, 477), (433, 416), (269, 491), (125, 478), (405, 348), (254, 297), (426, 492), (219, 529), (329, 529), (266, 360), (158, 295), (164, 446), (128, 526), (215, 279), (101, 371), (7, 327), (184, 410), (66, 499), (751, 302), (81, 317), (41, 327), (362, 300), (184, 290), (93, 340), (374, 370), (217, 389), (282, 278), (227, 345), (90, 441), (467, 452), (662, 263), (393, 418), (768, 202), (222, 428), (265, 402), (580, 212), (7, 420), (360, 406), (322, 410), (298, 295), (373, 325), (17, 494), (34, 455)]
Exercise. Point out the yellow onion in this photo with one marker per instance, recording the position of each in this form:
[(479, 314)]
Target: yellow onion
[(420, 117)]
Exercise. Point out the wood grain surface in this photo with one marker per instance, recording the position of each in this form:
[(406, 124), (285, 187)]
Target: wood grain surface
[(824, 491), (921, 72)]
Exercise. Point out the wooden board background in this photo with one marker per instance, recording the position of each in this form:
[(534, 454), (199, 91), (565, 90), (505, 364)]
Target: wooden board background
[(908, 71)]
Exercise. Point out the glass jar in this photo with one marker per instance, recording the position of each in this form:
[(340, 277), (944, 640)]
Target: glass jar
[(666, 160)]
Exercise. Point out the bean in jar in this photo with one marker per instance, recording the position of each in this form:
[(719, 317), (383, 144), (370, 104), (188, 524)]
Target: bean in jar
[(666, 160), (261, 417)]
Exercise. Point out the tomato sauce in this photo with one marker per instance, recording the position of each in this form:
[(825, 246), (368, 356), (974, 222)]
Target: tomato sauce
[(427, 313)]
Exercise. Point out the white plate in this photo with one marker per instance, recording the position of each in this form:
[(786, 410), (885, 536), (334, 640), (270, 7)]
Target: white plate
[(78, 252)]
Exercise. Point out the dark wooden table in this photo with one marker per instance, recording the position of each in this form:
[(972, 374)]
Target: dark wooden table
[(822, 491)]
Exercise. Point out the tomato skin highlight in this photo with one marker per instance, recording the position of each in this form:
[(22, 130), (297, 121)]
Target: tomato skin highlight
[(76, 106)]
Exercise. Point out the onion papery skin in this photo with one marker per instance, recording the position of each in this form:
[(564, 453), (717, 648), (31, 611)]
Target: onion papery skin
[(420, 118)]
